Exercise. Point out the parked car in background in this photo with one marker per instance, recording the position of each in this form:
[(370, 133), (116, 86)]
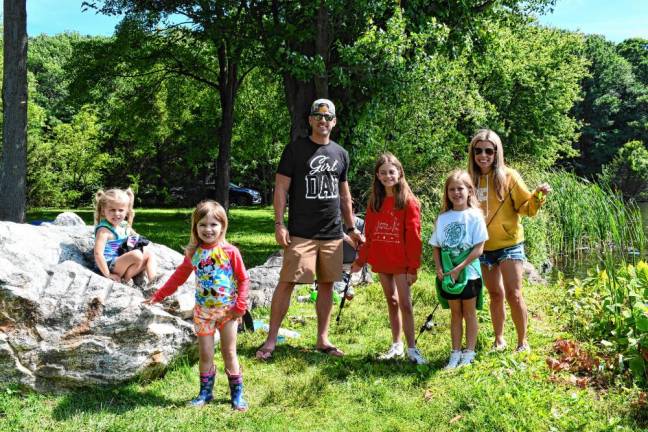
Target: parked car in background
[(189, 196), (239, 195)]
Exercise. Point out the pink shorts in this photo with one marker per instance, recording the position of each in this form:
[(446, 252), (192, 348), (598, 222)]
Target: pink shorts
[(208, 319)]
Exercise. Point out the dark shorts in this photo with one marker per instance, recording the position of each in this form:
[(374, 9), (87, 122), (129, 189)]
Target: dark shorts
[(111, 267), (513, 253), (472, 290)]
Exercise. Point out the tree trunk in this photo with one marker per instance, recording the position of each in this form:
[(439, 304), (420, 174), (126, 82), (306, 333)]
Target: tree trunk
[(300, 94), (228, 86), (14, 99), (322, 49)]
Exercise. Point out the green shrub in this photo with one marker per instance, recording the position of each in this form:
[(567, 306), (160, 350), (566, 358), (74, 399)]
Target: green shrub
[(628, 171), (610, 308)]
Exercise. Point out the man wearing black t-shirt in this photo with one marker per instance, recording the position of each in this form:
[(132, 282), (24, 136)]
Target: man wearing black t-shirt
[(313, 173)]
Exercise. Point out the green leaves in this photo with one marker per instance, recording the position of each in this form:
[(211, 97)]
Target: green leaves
[(614, 108), (67, 167), (618, 314), (628, 171), (640, 312)]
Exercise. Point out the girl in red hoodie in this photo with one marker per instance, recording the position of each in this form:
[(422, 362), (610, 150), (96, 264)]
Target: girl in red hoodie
[(393, 249)]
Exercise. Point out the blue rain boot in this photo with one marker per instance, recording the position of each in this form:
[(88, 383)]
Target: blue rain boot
[(206, 388), (236, 391)]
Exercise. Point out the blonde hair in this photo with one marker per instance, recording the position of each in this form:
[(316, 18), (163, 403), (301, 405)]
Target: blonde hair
[(402, 191), (102, 198), (499, 168), (459, 176), (204, 208)]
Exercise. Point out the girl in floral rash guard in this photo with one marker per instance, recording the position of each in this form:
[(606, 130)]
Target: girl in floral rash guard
[(221, 297)]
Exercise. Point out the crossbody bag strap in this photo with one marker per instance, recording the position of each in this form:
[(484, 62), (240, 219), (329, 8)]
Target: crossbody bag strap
[(502, 203)]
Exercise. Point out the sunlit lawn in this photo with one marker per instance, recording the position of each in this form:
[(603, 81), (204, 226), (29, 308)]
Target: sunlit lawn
[(302, 390)]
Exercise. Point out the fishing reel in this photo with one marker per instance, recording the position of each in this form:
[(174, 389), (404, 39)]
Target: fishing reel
[(429, 323)]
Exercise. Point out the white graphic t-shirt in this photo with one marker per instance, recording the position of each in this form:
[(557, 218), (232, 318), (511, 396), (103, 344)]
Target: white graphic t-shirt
[(458, 231)]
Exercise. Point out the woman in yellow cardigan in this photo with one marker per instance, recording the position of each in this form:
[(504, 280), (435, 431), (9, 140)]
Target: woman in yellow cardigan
[(504, 199)]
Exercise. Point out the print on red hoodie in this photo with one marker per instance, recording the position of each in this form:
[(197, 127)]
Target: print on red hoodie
[(393, 244)]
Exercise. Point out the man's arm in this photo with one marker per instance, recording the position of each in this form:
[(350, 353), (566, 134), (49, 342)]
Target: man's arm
[(282, 185), (346, 206)]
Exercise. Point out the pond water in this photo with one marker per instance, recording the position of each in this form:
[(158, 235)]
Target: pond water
[(578, 267)]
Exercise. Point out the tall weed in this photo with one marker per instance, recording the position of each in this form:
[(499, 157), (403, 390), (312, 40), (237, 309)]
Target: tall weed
[(586, 217)]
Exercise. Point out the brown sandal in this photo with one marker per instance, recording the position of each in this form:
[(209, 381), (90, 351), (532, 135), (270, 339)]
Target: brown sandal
[(332, 351)]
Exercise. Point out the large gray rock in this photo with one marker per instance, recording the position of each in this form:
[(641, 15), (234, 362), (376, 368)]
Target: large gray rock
[(263, 280), (64, 326)]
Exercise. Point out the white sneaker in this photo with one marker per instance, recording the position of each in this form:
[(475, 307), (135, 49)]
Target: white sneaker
[(467, 357), (396, 350), (523, 348), (415, 356), (455, 358), (499, 348)]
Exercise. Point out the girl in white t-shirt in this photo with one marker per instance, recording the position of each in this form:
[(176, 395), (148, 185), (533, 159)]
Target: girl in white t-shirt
[(458, 240)]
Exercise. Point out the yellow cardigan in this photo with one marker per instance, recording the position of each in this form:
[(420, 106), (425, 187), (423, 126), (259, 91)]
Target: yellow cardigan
[(503, 217)]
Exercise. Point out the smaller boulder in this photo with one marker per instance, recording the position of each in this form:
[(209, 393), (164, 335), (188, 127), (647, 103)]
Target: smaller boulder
[(68, 219)]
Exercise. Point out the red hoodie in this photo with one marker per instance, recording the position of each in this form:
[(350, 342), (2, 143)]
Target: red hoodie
[(393, 238)]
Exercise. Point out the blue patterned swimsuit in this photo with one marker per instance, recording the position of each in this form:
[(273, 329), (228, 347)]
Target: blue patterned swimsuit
[(110, 249)]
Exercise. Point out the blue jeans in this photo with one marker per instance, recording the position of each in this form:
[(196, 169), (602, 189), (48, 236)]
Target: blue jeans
[(514, 253)]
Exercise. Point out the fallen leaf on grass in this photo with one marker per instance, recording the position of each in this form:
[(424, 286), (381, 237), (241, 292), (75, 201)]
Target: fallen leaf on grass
[(455, 419), (428, 395), (582, 382), (566, 347), (572, 358), (554, 364)]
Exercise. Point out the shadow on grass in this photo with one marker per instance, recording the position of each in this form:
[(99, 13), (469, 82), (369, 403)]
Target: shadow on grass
[(639, 413), (339, 369), (115, 400), (118, 399)]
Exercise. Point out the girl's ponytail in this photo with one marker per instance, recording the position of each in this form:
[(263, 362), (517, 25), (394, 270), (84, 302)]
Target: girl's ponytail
[(131, 205), (99, 201)]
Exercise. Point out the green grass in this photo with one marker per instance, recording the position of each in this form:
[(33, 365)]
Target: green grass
[(301, 389), (250, 228)]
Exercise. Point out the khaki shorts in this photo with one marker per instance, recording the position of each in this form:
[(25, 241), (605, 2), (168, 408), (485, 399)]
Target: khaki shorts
[(303, 258)]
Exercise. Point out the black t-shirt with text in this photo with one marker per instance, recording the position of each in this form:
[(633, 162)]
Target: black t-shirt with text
[(314, 196)]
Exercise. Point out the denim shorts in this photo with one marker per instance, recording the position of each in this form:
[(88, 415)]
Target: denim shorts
[(513, 253), (111, 266)]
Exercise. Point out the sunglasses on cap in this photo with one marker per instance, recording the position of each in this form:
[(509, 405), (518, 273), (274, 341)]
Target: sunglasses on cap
[(320, 116), (488, 150)]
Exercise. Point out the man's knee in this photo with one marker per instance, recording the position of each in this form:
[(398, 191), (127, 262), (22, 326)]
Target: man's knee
[(325, 286), (284, 288)]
